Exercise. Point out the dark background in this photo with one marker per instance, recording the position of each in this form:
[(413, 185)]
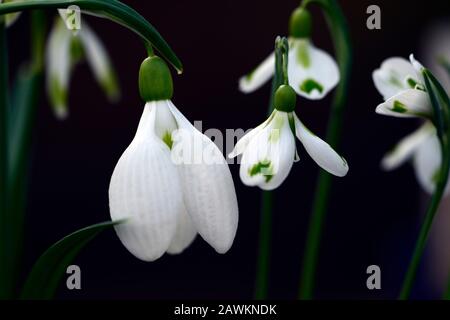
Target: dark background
[(373, 218)]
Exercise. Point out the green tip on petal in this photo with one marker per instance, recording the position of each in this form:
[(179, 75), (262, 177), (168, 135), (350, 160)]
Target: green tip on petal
[(300, 23), (399, 107), (155, 80), (262, 167), (285, 98), (309, 85)]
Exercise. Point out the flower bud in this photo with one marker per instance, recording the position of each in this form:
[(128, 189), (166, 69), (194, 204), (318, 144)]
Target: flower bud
[(300, 23), (155, 80)]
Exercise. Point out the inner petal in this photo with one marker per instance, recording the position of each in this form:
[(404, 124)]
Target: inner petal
[(165, 123)]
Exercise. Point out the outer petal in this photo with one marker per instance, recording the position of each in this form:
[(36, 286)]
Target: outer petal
[(99, 60), (184, 235), (270, 155), (58, 67), (312, 72), (427, 163), (255, 79), (406, 104), (208, 187), (145, 189), (242, 144), (405, 149), (393, 75), (320, 151)]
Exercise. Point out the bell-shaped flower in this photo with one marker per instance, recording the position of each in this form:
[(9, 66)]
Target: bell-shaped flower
[(400, 83), (423, 148), (172, 182), (64, 50), (312, 72), (269, 150)]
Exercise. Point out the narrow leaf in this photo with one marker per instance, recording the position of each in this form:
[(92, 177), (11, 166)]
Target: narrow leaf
[(47, 272)]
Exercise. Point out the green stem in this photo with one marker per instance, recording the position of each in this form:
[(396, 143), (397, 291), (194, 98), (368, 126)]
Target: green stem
[(425, 229), (339, 30), (5, 287), (263, 264), (111, 9), (262, 273)]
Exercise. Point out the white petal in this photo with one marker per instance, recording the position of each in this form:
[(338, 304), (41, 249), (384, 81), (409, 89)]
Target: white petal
[(259, 76), (98, 58), (184, 235), (145, 189), (58, 68), (406, 104), (269, 157), (209, 193), (405, 149), (242, 144), (427, 163), (312, 72), (320, 151), (393, 75)]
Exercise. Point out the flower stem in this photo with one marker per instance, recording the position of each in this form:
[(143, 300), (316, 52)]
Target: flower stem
[(342, 43), (426, 226), (262, 274), (263, 264)]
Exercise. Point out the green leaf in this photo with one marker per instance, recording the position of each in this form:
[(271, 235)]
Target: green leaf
[(440, 103), (111, 9), (47, 272)]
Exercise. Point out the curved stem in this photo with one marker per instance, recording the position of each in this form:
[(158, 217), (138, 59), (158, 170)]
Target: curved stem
[(111, 9), (342, 43)]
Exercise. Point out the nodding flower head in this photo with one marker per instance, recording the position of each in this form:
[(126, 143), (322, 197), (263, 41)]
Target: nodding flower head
[(172, 181)]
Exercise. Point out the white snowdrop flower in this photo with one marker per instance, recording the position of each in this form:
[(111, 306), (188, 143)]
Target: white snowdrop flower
[(167, 201), (401, 84), (64, 50), (269, 151), (312, 72)]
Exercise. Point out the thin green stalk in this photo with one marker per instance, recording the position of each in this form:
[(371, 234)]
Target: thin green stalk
[(425, 230), (265, 229), (4, 281), (339, 30), (262, 273)]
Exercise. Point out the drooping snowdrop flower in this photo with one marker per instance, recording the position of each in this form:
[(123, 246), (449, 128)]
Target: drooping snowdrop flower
[(172, 182), (64, 50), (268, 151), (401, 84), (312, 72)]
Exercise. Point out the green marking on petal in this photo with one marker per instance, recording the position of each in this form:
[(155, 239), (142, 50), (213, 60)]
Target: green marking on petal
[(394, 81), (58, 94), (303, 57), (309, 85), (249, 76), (262, 167), (412, 83), (167, 139), (399, 107)]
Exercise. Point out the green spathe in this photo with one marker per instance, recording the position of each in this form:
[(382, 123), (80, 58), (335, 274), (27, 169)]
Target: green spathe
[(300, 23), (285, 98), (155, 80)]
